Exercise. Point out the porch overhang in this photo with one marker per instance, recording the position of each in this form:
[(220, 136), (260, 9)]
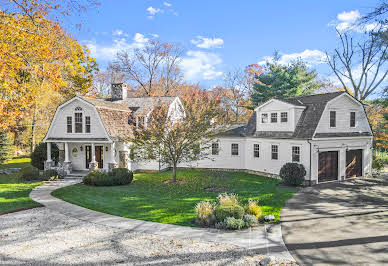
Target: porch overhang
[(79, 140)]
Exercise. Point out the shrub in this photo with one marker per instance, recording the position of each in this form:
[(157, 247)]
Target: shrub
[(233, 223), (292, 174), (205, 213), (377, 164), (253, 208), (50, 175), (121, 176), (220, 225), (39, 155), (30, 173), (222, 212), (250, 220), (226, 199)]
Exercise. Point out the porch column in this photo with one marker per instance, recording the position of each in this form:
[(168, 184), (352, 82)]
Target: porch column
[(48, 164), (112, 163), (67, 152), (112, 153), (48, 151), (93, 153)]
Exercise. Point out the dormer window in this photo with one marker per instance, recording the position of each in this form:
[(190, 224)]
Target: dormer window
[(283, 117), (352, 119), (274, 117), (332, 118), (264, 118)]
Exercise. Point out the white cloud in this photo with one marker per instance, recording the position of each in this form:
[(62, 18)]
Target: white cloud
[(154, 35), (207, 43), (153, 11), (167, 4), (108, 52), (199, 65), (348, 21), (311, 57), (118, 32)]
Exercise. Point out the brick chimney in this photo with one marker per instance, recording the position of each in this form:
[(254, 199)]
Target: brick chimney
[(119, 91)]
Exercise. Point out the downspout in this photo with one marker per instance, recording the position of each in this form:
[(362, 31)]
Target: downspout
[(310, 160)]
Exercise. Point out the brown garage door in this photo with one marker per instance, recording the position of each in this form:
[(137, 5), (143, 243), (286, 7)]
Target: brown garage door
[(353, 163), (328, 166)]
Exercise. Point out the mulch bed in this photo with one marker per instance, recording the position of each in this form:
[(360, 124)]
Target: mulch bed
[(21, 209)]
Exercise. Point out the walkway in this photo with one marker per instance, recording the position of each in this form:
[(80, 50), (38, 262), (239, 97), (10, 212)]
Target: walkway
[(338, 223), (262, 240)]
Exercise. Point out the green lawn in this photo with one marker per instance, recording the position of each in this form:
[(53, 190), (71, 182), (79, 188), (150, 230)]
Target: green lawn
[(148, 198), (14, 191)]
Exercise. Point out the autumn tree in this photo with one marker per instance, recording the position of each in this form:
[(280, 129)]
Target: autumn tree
[(153, 68), (360, 64), (5, 146), (41, 65), (278, 80), (179, 138), (104, 79)]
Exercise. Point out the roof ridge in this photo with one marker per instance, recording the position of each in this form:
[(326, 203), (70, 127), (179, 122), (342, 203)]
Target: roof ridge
[(318, 94)]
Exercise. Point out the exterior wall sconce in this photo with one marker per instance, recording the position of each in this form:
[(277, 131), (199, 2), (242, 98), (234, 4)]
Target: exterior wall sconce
[(81, 148), (106, 148)]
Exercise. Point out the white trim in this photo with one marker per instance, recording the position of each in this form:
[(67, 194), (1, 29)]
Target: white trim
[(73, 129), (272, 100)]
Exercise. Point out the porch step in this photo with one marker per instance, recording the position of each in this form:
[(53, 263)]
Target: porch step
[(76, 175)]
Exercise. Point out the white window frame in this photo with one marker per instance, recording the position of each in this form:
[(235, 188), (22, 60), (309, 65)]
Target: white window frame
[(350, 119), (277, 116), (277, 145), (261, 118), (238, 149), (254, 150), (281, 117), (218, 148), (335, 118), (292, 154)]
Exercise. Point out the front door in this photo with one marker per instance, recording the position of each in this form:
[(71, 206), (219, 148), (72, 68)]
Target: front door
[(353, 163), (99, 154), (328, 166)]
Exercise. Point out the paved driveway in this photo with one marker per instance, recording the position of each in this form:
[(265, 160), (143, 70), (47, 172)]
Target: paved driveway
[(338, 223)]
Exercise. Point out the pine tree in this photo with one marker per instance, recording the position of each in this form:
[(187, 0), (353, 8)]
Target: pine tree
[(5, 146)]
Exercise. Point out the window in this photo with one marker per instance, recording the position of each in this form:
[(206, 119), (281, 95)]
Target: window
[(78, 122), (283, 117), (274, 117), (295, 154), (332, 118), (264, 118), (234, 149), (78, 108), (274, 152), (87, 124), (69, 124), (215, 148), (256, 150), (352, 119)]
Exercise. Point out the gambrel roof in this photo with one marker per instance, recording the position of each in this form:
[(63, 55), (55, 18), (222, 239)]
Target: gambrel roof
[(307, 124)]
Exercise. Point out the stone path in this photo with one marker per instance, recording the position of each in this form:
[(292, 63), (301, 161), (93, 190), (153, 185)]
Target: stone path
[(263, 240)]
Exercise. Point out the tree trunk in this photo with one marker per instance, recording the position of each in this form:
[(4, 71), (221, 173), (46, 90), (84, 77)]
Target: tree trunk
[(33, 129), (174, 172)]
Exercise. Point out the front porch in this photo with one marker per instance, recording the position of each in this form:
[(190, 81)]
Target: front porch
[(82, 156)]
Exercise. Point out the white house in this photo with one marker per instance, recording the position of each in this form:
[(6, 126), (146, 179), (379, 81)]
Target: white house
[(328, 133), (93, 133)]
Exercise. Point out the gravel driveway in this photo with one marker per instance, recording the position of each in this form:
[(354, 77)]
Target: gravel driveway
[(41, 236), (338, 223)]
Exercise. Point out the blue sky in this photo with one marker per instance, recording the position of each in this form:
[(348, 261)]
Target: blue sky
[(221, 35)]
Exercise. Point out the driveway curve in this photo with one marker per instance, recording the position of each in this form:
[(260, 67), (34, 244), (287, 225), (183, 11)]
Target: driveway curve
[(338, 223)]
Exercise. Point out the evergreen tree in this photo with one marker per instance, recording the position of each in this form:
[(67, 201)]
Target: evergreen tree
[(5, 146), (283, 81)]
